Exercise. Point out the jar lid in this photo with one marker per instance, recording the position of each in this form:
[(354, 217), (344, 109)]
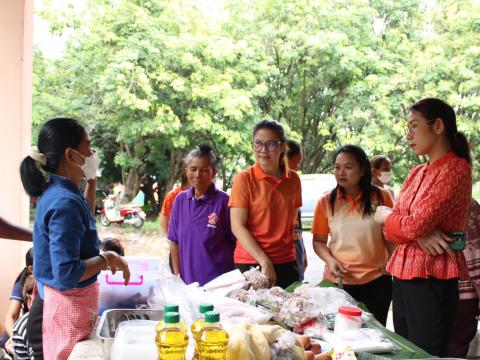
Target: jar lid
[(350, 310)]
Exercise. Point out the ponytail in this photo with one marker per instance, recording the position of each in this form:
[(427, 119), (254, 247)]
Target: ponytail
[(33, 179), (460, 147)]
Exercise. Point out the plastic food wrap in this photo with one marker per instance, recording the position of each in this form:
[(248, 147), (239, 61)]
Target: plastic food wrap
[(283, 348), (256, 280), (270, 299), (239, 294), (297, 310), (327, 299), (369, 340)]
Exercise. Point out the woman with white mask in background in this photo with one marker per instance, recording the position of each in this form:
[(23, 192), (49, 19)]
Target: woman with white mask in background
[(65, 240), (382, 173)]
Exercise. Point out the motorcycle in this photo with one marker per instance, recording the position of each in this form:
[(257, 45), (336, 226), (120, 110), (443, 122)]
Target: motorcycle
[(129, 213)]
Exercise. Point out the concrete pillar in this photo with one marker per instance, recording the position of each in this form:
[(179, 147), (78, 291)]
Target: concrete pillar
[(16, 31)]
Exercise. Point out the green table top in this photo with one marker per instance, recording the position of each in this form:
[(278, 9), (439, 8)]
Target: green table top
[(408, 350)]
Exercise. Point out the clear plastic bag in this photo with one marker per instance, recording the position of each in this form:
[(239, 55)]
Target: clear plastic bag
[(283, 348), (298, 310), (172, 289), (270, 299)]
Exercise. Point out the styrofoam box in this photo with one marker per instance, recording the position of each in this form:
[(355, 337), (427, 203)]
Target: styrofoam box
[(144, 271)]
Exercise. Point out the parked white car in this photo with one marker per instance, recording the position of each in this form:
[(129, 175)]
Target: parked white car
[(313, 187)]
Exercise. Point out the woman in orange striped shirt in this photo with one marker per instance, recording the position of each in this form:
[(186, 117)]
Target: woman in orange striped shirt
[(434, 200)]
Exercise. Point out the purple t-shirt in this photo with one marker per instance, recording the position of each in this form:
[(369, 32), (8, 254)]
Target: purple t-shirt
[(201, 228)]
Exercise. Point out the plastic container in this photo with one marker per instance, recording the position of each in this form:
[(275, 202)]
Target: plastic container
[(348, 319), (198, 325), (212, 340), (115, 295), (171, 340), (134, 339), (112, 319)]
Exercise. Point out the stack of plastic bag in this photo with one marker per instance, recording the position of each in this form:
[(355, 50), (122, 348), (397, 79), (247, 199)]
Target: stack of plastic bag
[(172, 289)]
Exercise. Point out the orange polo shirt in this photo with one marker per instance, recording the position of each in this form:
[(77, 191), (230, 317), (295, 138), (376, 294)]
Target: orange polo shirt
[(356, 241), (169, 199), (271, 205)]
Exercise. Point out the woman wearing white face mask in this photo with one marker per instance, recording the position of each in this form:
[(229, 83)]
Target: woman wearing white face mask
[(382, 173), (65, 239)]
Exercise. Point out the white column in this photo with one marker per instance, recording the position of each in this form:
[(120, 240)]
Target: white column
[(16, 31)]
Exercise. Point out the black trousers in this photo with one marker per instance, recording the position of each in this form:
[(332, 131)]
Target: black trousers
[(376, 295), (33, 335), (424, 312), (287, 273), (465, 328)]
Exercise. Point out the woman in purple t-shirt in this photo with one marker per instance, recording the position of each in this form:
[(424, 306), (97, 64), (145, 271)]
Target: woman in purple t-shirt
[(199, 231)]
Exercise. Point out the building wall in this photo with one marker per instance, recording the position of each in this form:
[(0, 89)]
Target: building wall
[(16, 28)]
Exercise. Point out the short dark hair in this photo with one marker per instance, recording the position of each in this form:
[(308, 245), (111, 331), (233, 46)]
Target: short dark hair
[(28, 262), (293, 148), (112, 244), (378, 160)]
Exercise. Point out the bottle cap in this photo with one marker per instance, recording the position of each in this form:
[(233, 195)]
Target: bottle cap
[(171, 317), (170, 308), (212, 316), (203, 308), (350, 311)]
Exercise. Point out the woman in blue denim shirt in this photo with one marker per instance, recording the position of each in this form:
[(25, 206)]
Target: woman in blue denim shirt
[(66, 245)]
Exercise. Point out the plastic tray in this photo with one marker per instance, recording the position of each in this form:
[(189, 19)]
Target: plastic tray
[(110, 320)]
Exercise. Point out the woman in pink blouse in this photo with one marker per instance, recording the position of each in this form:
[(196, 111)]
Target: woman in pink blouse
[(434, 201)]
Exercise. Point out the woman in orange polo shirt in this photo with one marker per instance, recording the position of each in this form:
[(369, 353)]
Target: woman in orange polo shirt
[(264, 202), (434, 201), (357, 253)]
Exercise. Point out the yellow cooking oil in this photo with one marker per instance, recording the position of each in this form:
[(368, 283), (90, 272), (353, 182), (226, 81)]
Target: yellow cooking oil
[(212, 340), (171, 340), (198, 325), (171, 308)]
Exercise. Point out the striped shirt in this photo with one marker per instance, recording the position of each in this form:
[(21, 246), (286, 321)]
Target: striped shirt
[(466, 288), (18, 338), (434, 196)]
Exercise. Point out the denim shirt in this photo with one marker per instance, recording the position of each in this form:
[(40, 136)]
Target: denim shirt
[(64, 236)]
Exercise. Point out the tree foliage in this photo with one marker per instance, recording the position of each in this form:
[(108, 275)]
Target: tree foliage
[(154, 78)]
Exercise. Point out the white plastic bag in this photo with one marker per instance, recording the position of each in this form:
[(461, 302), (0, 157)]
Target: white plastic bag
[(172, 289)]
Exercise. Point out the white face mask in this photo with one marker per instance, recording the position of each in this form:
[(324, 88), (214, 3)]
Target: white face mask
[(385, 176), (90, 166)]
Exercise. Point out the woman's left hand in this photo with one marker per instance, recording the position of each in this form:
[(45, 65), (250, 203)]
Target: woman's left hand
[(435, 243), (381, 214)]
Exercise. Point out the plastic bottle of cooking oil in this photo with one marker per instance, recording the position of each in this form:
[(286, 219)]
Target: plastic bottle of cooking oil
[(212, 340), (171, 340), (198, 325), (171, 308)]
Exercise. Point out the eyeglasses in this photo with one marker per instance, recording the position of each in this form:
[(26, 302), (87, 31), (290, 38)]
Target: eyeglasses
[(412, 128), (258, 145)]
